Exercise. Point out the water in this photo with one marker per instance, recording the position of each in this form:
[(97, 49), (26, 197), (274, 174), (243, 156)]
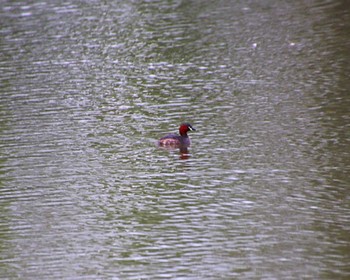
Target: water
[(87, 89)]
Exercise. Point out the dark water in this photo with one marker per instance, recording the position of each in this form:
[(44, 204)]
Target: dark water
[(88, 87)]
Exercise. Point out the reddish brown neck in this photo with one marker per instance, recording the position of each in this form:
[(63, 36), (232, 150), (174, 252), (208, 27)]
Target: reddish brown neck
[(183, 130)]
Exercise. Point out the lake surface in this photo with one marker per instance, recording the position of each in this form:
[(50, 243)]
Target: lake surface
[(87, 88)]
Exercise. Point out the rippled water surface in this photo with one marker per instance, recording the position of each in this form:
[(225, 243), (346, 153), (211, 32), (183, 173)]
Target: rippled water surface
[(88, 87)]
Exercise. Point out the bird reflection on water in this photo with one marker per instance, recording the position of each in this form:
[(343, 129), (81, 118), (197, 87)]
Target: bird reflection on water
[(183, 150)]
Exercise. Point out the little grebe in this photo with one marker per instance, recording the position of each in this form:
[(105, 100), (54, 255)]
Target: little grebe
[(176, 140)]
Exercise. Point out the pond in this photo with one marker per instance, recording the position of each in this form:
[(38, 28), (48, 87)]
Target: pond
[(87, 88)]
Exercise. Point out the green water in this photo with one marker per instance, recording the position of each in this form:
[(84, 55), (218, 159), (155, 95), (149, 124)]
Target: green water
[(87, 88)]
